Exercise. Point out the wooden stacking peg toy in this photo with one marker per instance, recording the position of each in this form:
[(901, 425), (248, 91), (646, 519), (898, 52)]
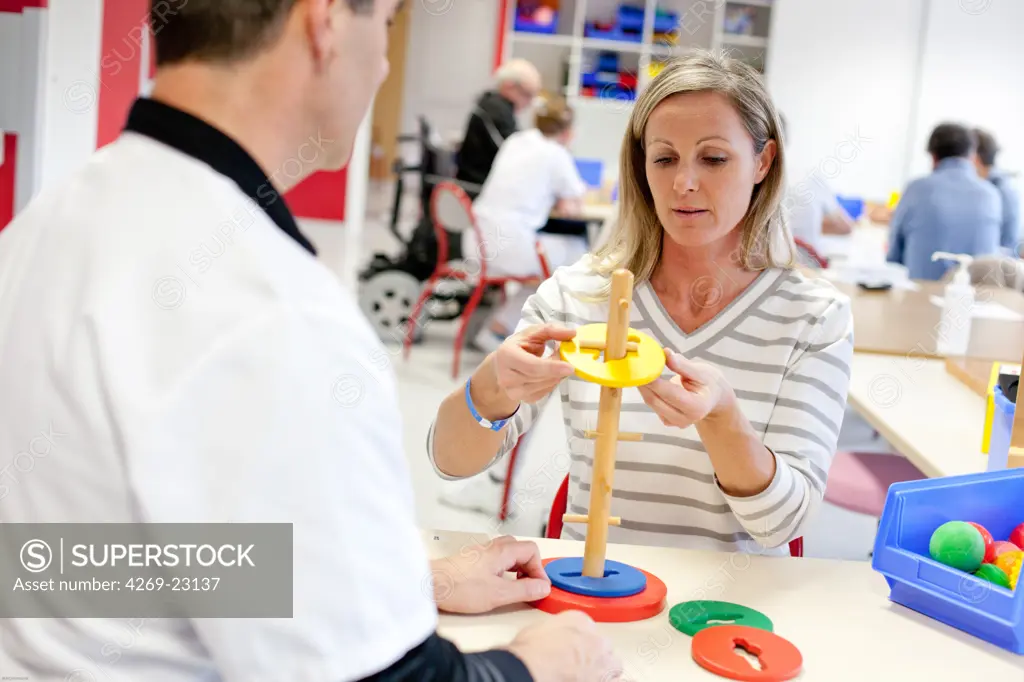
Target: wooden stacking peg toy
[(615, 357)]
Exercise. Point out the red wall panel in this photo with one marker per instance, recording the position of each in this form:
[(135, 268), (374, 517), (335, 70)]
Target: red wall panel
[(120, 64), (321, 196), (16, 6), (7, 178)]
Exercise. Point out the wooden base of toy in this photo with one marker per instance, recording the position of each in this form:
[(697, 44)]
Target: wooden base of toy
[(646, 604)]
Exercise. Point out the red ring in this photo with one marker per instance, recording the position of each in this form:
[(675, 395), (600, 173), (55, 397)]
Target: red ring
[(642, 606), (714, 649)]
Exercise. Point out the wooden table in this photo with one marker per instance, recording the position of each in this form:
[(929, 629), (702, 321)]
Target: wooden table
[(837, 613), (906, 323), (928, 415)]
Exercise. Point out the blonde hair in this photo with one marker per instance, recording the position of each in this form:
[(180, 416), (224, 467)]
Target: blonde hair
[(636, 240), (554, 116)]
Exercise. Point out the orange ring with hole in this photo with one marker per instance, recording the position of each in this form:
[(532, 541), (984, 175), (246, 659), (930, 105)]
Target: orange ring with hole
[(642, 606), (714, 649)]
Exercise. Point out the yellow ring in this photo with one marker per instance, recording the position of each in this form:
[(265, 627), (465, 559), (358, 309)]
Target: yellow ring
[(637, 369)]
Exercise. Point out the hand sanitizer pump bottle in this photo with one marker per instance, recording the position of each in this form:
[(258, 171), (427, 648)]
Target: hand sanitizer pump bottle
[(954, 333)]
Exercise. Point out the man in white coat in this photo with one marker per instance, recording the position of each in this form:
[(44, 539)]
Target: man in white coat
[(166, 325)]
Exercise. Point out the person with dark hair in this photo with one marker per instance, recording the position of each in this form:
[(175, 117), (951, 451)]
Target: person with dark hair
[(985, 163), (194, 362), (951, 210)]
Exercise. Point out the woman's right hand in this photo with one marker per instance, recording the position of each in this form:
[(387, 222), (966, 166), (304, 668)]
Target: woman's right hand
[(523, 373)]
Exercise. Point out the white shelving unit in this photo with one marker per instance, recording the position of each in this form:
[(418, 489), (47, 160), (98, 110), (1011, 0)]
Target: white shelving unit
[(562, 57)]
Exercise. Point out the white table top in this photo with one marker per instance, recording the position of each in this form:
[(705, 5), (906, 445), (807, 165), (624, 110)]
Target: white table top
[(925, 413), (836, 613)]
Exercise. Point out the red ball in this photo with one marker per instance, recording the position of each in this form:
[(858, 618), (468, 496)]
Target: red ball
[(990, 550), (1002, 547), (1017, 536)]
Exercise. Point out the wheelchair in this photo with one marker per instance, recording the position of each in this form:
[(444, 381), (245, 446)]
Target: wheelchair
[(389, 287)]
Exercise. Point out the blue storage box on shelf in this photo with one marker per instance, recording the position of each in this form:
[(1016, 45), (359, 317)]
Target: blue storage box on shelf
[(616, 33), (913, 510), (608, 61), (1002, 428), (631, 18), (525, 20), (526, 24), (665, 22), (598, 80)]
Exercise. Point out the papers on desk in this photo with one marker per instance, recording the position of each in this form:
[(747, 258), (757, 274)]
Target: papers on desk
[(850, 272), (988, 310)]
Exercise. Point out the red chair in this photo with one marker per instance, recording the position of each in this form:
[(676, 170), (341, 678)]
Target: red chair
[(796, 547), (810, 254), (451, 211)]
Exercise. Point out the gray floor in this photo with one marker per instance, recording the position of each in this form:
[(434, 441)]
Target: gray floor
[(426, 378)]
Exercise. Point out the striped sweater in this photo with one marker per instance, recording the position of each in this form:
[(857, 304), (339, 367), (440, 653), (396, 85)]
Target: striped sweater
[(784, 346)]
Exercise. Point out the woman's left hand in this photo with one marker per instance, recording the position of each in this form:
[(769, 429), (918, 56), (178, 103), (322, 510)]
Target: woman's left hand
[(696, 392)]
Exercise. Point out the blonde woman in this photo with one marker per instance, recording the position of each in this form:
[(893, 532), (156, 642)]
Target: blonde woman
[(740, 431)]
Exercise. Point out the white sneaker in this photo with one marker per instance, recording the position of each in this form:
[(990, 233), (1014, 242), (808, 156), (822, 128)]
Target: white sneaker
[(487, 341), (480, 494)]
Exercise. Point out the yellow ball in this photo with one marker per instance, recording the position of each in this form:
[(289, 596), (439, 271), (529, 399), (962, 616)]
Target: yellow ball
[(1010, 562)]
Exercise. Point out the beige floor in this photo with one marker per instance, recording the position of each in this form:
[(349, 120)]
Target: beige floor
[(426, 378)]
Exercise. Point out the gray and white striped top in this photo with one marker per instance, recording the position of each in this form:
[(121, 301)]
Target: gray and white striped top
[(784, 345)]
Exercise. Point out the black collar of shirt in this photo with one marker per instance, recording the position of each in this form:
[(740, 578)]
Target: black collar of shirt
[(200, 140)]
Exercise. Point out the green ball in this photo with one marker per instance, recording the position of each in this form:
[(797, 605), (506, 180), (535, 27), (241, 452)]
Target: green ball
[(958, 544), (993, 574)]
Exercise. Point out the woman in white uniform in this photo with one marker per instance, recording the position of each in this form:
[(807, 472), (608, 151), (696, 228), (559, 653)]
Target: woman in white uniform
[(534, 175)]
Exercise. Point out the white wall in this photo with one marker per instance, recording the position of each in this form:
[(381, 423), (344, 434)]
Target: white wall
[(861, 83), (843, 74), (449, 62), (972, 74), (71, 86), (23, 41), (10, 63)]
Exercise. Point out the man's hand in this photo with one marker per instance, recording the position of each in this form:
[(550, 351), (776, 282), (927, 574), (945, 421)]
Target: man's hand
[(473, 581), (567, 648)]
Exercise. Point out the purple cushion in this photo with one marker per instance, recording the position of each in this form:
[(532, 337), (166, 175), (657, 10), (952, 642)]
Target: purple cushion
[(859, 481)]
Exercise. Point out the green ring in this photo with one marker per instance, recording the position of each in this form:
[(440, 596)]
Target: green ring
[(690, 617)]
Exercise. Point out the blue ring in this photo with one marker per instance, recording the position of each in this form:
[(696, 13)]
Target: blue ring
[(621, 580)]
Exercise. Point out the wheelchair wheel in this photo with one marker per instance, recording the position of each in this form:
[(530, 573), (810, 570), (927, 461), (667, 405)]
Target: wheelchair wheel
[(387, 299)]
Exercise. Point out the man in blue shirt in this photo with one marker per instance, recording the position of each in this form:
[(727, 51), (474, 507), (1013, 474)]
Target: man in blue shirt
[(985, 162), (950, 210)]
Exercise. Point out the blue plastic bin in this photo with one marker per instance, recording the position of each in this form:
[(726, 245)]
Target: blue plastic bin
[(665, 22), (1002, 429), (631, 18), (525, 24), (599, 80), (614, 34), (913, 510)]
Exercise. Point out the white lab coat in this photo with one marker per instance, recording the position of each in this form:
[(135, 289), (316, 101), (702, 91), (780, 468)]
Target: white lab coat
[(190, 362)]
